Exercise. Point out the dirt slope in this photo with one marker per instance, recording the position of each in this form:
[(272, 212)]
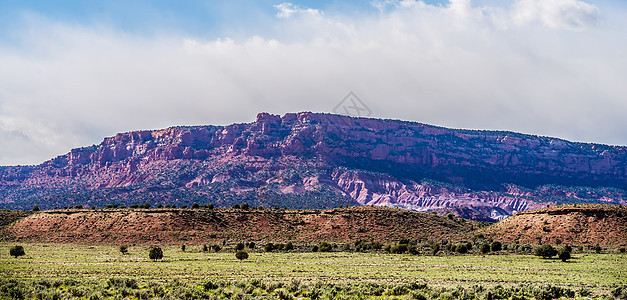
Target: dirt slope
[(579, 224), (173, 226)]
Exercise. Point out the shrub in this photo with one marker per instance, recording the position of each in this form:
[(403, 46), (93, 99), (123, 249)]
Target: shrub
[(17, 251), (461, 248), (241, 255), (159, 205), (195, 205), (205, 248), (124, 249), (183, 248), (251, 245), (435, 247), (621, 250), (236, 206), (597, 249), (450, 216), (245, 206), (146, 205), (269, 247), (239, 246), (546, 251), (155, 253), (485, 248), (289, 246), (315, 248), (325, 247), (496, 246), (564, 254), (210, 206), (36, 207), (216, 248)]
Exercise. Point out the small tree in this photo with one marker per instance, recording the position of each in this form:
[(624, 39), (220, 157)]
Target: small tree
[(450, 216), (36, 207), (155, 253), (564, 254), (435, 247), (485, 248), (183, 247), (241, 255), (195, 205), (251, 245), (204, 248), (269, 247), (461, 248), (239, 246), (546, 251), (17, 251), (496, 246), (210, 206), (245, 206), (216, 248), (236, 206), (124, 249), (325, 247), (289, 246)]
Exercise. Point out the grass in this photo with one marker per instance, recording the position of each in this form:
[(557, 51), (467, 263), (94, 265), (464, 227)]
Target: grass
[(598, 272)]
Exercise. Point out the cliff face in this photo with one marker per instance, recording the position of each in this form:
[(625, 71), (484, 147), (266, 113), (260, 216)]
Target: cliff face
[(321, 160)]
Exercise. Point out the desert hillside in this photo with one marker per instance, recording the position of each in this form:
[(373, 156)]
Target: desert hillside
[(172, 226), (580, 224)]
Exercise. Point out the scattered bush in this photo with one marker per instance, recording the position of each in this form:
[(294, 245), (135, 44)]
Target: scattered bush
[(17, 251), (155, 253), (289, 246), (461, 248), (546, 251), (564, 253), (241, 255), (325, 247), (496, 246)]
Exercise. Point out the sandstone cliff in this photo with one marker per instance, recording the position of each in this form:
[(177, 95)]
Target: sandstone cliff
[(321, 161)]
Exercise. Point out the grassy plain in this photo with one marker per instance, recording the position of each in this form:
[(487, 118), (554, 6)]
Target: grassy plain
[(597, 273)]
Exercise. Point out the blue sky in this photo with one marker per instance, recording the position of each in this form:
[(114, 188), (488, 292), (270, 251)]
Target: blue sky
[(74, 72)]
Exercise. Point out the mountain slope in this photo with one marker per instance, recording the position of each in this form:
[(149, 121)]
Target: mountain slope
[(322, 161)]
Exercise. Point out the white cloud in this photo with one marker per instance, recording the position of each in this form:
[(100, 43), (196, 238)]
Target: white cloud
[(557, 14), (287, 10), (68, 86)]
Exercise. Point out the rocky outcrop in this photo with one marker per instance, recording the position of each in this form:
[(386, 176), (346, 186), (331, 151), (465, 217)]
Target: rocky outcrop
[(372, 161)]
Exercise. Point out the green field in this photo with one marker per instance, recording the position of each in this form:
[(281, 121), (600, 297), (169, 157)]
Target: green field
[(97, 270)]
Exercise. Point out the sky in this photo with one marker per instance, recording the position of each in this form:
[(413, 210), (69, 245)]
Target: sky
[(73, 72)]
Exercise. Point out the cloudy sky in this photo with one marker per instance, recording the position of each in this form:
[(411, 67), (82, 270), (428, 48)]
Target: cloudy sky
[(73, 72)]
